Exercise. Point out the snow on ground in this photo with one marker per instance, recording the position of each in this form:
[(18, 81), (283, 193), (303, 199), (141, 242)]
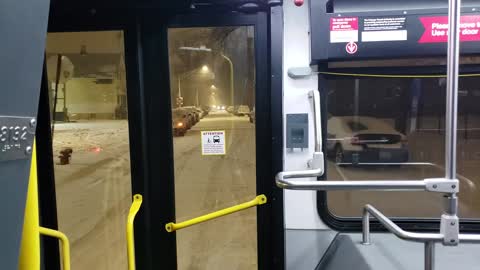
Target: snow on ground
[(93, 192)]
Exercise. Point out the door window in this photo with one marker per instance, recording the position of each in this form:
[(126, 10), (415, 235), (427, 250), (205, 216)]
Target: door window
[(88, 102), (213, 121)]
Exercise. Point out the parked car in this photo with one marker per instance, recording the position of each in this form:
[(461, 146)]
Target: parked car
[(361, 139), (243, 110), (230, 109), (180, 122), (191, 119), (201, 112), (193, 110), (251, 116)]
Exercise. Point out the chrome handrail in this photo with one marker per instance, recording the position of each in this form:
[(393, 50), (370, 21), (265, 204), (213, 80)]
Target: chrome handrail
[(382, 185), (428, 238)]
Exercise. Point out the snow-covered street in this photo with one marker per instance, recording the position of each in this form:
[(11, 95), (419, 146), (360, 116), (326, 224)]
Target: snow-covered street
[(94, 194)]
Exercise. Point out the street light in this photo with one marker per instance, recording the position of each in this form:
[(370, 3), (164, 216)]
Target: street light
[(203, 48), (204, 70)]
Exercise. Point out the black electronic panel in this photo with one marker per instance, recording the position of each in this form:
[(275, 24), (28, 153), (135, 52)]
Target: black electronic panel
[(387, 33)]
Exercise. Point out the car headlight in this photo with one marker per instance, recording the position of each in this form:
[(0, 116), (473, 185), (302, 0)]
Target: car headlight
[(180, 124)]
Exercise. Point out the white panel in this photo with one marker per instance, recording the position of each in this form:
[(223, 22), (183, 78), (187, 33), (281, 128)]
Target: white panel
[(396, 35), (300, 206)]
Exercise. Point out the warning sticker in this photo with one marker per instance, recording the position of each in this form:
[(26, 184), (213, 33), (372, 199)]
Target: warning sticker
[(213, 142), (436, 29), (384, 29), (343, 30)]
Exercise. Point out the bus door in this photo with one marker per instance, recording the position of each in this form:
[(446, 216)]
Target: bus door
[(218, 107)]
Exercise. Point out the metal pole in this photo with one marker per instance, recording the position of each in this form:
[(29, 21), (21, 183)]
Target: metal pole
[(356, 107), (452, 98), (179, 87), (366, 227), (429, 255), (57, 81), (230, 63)]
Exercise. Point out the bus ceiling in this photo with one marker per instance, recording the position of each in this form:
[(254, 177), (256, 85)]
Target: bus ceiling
[(349, 30)]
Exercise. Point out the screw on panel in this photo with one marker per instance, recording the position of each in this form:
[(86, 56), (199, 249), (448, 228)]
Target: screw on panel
[(33, 122), (28, 150)]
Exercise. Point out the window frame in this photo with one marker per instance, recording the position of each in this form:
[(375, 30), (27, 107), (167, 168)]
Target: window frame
[(468, 225)]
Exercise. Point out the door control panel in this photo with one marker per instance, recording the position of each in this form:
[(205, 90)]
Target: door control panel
[(297, 131)]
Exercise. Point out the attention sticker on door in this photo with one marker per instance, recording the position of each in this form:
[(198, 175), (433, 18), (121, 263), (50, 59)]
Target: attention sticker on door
[(343, 30), (436, 29), (213, 143)]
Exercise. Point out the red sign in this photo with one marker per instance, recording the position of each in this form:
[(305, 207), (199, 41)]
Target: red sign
[(436, 29), (351, 47), (344, 24)]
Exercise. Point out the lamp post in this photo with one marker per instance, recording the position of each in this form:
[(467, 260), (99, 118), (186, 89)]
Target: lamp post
[(230, 63)]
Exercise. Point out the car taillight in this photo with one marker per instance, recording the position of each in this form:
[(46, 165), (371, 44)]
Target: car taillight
[(355, 140)]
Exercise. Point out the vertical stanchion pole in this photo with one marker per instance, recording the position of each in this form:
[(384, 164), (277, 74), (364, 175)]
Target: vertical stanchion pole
[(453, 55), (366, 227), (429, 255)]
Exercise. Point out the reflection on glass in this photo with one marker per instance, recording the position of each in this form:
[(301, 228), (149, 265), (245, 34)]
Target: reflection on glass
[(90, 145), (213, 89), (394, 128)]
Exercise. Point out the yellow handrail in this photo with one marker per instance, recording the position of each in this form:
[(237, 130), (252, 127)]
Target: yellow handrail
[(260, 199), (65, 244), (30, 247), (137, 202)]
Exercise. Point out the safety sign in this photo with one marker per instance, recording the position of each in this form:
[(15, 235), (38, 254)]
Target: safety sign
[(213, 142), (436, 29), (343, 29)]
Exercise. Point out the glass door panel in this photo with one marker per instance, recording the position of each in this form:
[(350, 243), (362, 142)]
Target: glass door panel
[(212, 77), (90, 145)]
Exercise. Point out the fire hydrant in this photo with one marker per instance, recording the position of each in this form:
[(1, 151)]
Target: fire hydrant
[(65, 155)]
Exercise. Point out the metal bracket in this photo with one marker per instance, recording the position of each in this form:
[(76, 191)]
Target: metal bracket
[(16, 137), (299, 72), (316, 162), (449, 227), (442, 185)]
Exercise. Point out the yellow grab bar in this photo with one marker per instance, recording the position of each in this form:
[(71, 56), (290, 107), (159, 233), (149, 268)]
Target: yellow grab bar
[(137, 202), (260, 199), (65, 244), (30, 247)]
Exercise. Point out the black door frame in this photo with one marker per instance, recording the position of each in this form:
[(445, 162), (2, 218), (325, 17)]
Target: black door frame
[(151, 140), (267, 232)]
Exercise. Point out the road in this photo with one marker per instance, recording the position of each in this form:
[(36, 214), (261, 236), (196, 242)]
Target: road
[(94, 195), (208, 183)]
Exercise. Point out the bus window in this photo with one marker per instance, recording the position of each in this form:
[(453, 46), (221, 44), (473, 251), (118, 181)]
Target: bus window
[(394, 128)]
